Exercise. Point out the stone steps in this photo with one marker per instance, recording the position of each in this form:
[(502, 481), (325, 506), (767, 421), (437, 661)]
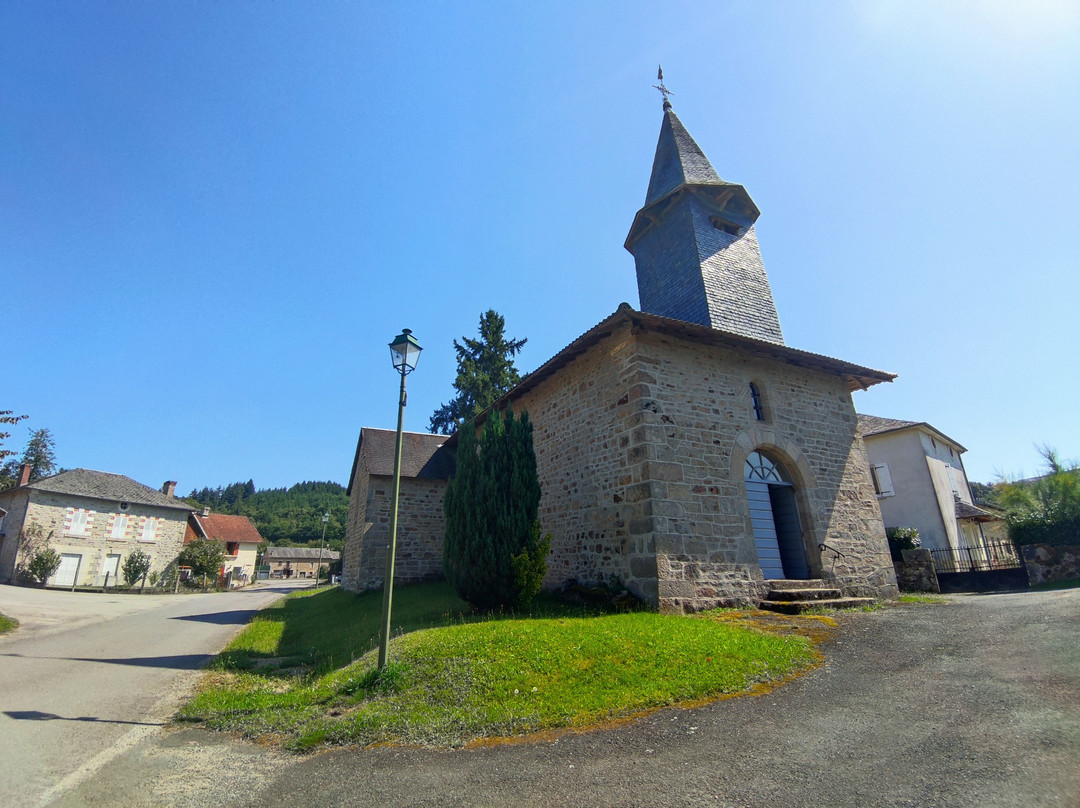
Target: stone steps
[(797, 597)]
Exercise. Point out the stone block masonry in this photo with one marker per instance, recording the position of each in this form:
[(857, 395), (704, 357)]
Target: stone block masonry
[(50, 511), (640, 447), (421, 525), (641, 437)]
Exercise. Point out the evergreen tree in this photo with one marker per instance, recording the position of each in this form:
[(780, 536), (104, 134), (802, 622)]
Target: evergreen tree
[(493, 554), (284, 516), (40, 454), (9, 474), (485, 371)]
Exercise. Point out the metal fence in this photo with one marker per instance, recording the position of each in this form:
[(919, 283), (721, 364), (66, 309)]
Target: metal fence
[(980, 558)]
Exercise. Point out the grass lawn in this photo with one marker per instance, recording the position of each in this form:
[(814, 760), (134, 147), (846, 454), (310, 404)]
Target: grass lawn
[(1071, 583), (7, 624), (915, 597), (303, 672)]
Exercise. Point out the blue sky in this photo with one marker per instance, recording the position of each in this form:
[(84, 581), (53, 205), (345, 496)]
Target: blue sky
[(216, 215)]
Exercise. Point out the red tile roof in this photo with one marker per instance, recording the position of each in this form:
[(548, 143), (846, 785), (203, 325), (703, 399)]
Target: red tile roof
[(225, 528)]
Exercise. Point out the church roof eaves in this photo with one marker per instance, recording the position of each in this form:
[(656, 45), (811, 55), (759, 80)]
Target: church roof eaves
[(857, 377)]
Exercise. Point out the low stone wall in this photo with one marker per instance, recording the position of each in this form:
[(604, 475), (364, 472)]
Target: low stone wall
[(1046, 564), (916, 572)]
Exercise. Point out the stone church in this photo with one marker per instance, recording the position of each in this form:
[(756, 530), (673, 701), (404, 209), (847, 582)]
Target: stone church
[(683, 449)]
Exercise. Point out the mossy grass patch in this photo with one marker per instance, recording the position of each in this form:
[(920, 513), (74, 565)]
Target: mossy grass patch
[(303, 672)]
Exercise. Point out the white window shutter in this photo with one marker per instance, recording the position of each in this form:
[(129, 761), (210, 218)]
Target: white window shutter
[(883, 479)]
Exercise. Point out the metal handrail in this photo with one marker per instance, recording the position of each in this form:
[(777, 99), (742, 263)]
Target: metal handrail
[(837, 555)]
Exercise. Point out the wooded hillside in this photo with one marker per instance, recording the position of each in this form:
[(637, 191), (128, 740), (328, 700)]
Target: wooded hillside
[(284, 516)]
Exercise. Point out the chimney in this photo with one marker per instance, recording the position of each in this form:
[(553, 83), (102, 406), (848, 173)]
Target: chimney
[(205, 511), (24, 477), (169, 489)]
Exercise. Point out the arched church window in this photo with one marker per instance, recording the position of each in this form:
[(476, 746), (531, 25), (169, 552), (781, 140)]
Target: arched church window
[(755, 399), (760, 468)]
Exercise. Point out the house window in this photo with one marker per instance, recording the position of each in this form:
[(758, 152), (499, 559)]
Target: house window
[(755, 400), (883, 486), (232, 548), (119, 526), (149, 529), (78, 521)]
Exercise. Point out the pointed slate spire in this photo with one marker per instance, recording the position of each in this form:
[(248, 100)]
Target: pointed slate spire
[(678, 161), (694, 244)]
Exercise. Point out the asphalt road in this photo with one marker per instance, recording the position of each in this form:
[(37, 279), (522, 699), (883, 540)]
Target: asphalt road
[(88, 676), (971, 703)]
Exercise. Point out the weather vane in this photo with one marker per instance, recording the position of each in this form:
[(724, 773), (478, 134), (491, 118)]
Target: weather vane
[(664, 91)]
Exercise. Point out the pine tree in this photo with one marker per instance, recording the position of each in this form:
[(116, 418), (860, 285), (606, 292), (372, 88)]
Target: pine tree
[(40, 454), (9, 471), (493, 554), (485, 371)]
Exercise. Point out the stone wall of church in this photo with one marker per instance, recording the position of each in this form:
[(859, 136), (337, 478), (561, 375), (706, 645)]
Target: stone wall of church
[(641, 444), (698, 426), (420, 530), (590, 476)]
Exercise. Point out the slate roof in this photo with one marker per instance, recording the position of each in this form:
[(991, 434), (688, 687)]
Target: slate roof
[(105, 486), (875, 425), (678, 161), (965, 510), (227, 527), (299, 554), (679, 164), (422, 454)]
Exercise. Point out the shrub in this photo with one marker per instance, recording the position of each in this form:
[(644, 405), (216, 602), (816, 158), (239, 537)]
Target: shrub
[(902, 538), (1045, 510), (44, 563), (135, 567)]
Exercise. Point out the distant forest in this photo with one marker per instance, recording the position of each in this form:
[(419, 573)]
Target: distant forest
[(285, 517)]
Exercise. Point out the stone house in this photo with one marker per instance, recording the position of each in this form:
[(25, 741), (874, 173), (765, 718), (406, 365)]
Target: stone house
[(920, 481), (296, 562), (684, 449), (240, 538), (426, 465), (94, 520)]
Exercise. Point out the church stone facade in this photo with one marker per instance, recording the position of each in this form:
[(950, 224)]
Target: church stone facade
[(683, 450)]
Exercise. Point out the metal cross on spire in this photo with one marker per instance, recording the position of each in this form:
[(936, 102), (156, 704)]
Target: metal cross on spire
[(664, 91)]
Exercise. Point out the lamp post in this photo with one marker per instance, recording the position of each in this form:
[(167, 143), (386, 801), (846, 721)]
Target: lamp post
[(404, 351), (322, 541)]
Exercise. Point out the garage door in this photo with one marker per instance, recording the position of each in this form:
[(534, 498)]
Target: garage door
[(68, 570)]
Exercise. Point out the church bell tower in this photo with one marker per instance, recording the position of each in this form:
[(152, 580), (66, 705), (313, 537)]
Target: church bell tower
[(694, 244)]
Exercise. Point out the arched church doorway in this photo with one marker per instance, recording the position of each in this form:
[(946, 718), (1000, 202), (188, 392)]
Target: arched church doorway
[(774, 514)]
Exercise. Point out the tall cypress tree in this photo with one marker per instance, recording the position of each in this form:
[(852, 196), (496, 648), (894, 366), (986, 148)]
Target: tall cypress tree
[(493, 554)]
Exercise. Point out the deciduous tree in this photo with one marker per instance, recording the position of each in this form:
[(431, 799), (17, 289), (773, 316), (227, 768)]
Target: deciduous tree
[(1045, 510), (205, 558)]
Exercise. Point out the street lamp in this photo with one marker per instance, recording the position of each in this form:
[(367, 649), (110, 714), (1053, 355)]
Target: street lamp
[(322, 541), (404, 352)]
